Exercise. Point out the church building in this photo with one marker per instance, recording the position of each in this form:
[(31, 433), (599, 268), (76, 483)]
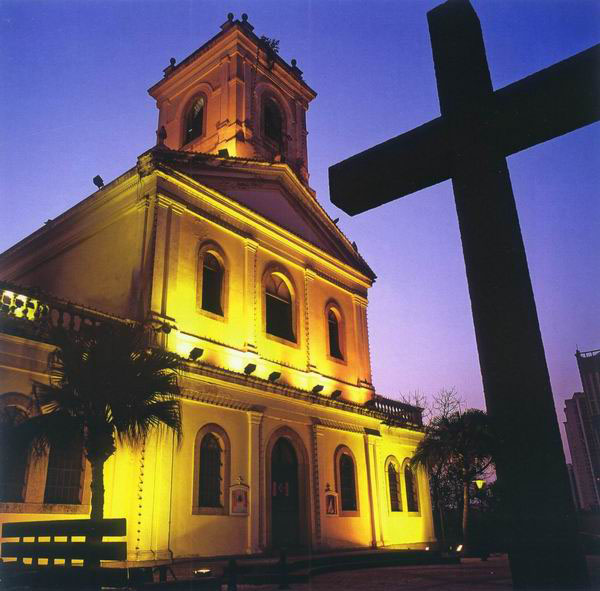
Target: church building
[(215, 241)]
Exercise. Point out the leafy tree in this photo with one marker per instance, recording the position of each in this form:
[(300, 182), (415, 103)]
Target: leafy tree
[(457, 448), (105, 385)]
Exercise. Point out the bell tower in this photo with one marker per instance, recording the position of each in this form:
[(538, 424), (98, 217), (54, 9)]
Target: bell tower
[(236, 97)]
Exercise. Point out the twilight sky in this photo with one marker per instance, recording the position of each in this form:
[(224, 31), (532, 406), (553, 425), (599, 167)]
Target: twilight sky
[(73, 104)]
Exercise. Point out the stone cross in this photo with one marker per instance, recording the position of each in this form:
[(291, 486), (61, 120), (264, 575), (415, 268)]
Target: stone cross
[(469, 143)]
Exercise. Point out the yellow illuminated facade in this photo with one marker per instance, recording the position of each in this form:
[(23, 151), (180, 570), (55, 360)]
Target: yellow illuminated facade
[(230, 260)]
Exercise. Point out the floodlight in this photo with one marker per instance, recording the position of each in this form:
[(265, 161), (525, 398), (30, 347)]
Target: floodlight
[(249, 368), (196, 353), (317, 389), (274, 376), (336, 394)]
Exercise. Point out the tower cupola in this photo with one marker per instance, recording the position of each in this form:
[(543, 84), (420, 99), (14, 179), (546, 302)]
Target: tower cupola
[(236, 93)]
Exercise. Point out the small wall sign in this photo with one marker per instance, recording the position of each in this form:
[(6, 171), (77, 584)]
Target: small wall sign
[(239, 494)]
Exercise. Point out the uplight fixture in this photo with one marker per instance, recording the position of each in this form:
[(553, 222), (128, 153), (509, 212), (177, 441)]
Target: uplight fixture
[(195, 353)]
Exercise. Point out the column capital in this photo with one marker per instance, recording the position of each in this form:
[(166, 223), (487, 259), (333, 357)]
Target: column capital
[(255, 416), (360, 300), (250, 244), (168, 203)]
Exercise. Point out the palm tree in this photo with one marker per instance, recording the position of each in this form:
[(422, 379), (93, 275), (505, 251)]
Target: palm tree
[(105, 385), (462, 443)]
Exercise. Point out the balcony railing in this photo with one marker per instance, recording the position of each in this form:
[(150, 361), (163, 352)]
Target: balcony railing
[(397, 413), (30, 313)]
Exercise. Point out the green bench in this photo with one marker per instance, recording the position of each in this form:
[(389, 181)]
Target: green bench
[(29, 545)]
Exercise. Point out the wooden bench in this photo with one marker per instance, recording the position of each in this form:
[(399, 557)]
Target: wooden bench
[(91, 552)]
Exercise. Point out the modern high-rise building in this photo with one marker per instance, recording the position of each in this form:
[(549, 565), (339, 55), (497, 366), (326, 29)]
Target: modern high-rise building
[(583, 431)]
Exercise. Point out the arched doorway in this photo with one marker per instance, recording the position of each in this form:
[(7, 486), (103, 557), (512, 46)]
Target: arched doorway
[(285, 495)]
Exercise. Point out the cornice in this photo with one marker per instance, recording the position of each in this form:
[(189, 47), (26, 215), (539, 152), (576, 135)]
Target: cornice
[(338, 425), (229, 377), (231, 35), (215, 398)]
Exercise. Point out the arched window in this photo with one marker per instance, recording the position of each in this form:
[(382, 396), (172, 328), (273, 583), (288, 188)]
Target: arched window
[(272, 121), (333, 325), (278, 308), (346, 481), (64, 479), (14, 463), (210, 472), (194, 120), (412, 493), (394, 487), (212, 284)]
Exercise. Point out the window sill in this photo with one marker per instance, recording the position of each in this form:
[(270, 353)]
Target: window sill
[(208, 511), (349, 513), (282, 341), (341, 361), (213, 315), (75, 509)]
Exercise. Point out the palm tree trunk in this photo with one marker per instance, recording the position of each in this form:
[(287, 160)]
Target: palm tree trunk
[(97, 487), (465, 515)]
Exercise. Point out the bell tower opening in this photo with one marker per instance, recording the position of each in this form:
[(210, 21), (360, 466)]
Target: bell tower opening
[(236, 97)]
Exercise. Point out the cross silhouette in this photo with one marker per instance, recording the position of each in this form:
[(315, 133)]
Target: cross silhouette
[(469, 143)]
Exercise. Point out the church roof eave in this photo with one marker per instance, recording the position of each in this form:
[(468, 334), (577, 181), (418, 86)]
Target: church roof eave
[(352, 270), (174, 160)]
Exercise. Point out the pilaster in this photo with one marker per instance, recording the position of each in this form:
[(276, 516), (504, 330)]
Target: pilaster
[(374, 481), (316, 434), (254, 461), (309, 276), (361, 335), (250, 294)]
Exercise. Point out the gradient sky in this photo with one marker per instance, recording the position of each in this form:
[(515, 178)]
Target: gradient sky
[(73, 104)]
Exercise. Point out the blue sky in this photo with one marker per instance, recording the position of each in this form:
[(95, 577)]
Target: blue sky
[(73, 104)]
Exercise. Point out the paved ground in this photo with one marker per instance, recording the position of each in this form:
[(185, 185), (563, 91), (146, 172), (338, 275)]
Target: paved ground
[(472, 574)]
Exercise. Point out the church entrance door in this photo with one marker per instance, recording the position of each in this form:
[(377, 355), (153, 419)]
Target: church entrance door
[(285, 514)]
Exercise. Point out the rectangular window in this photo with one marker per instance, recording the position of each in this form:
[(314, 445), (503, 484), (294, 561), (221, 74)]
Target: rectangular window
[(65, 472)]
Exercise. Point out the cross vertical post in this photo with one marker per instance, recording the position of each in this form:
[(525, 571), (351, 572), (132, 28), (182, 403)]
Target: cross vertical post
[(531, 463), (469, 143)]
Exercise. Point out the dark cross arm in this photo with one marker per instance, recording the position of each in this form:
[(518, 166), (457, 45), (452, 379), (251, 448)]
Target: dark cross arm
[(549, 103)]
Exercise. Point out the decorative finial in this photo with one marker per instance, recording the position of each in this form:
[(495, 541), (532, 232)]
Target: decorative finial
[(173, 61), (244, 17), (294, 63), (230, 16)]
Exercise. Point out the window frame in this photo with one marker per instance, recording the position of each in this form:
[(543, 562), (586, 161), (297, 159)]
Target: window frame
[(184, 119), (281, 273), (392, 461), (339, 452), (269, 97), (211, 247), (52, 451), (5, 404), (333, 307), (221, 435), (416, 488)]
